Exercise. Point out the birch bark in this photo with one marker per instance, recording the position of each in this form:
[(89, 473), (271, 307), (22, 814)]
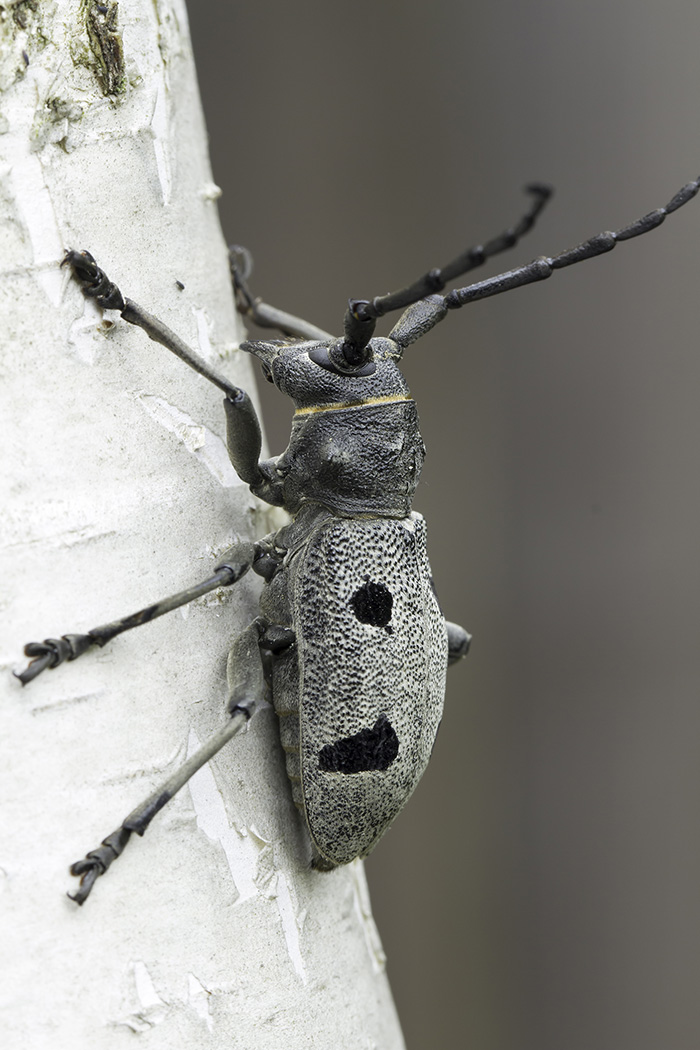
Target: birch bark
[(211, 931)]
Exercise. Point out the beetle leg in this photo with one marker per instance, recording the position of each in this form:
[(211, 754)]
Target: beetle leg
[(246, 690), (458, 642), (96, 285), (53, 651), (244, 434), (260, 313)]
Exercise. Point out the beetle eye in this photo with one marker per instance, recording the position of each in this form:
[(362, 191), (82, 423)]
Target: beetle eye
[(321, 355)]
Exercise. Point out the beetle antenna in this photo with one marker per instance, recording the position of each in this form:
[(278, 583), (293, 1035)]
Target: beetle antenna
[(544, 266), (362, 314)]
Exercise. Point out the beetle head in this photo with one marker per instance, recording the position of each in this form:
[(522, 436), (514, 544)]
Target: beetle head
[(314, 372)]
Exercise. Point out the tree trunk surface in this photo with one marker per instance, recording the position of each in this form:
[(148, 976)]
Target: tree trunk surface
[(117, 491)]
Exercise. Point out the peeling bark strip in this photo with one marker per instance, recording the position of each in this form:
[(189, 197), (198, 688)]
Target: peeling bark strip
[(106, 45)]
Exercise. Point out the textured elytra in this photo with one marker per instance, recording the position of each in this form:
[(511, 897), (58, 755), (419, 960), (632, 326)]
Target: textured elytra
[(360, 685)]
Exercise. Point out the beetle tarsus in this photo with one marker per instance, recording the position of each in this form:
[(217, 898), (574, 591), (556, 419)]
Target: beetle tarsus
[(95, 282), (97, 861), (52, 652), (90, 874)]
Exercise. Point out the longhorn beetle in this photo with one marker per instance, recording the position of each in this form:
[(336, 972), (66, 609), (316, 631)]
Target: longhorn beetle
[(350, 639)]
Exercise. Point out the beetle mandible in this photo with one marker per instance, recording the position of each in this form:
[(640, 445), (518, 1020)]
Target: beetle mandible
[(350, 640)]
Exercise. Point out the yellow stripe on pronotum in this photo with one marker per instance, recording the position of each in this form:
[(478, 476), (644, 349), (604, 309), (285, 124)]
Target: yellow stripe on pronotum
[(338, 406)]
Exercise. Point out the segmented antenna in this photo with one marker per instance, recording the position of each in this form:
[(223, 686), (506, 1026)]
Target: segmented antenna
[(362, 313)]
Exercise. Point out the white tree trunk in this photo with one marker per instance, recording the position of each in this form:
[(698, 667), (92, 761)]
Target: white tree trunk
[(211, 931)]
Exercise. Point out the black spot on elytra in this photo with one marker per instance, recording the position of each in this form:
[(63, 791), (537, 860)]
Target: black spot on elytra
[(374, 748), (372, 603)]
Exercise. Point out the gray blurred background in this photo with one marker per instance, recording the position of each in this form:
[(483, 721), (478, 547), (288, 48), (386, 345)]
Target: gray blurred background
[(541, 891)]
